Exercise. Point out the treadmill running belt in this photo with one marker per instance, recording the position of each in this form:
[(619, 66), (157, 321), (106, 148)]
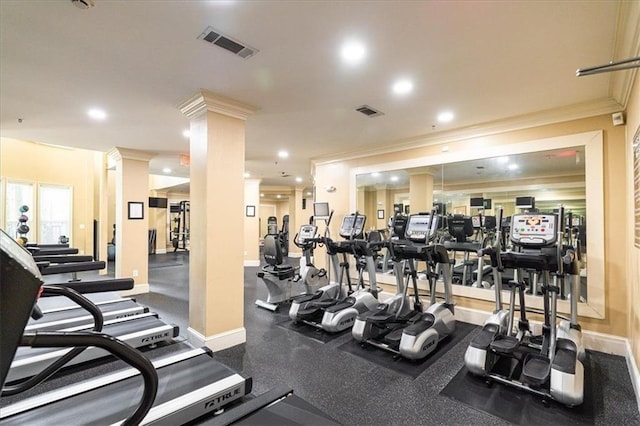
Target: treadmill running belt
[(520, 407), (405, 366), (112, 403)]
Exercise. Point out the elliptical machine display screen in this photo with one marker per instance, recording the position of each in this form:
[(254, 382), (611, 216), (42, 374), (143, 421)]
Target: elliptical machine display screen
[(534, 229), (421, 227), (306, 233), (352, 226)]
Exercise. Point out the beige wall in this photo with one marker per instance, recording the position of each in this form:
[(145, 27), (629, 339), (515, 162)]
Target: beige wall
[(336, 173), (633, 269), (44, 164)]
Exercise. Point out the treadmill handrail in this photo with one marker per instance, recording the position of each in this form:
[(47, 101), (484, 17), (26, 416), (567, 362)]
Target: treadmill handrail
[(118, 348), (98, 322)]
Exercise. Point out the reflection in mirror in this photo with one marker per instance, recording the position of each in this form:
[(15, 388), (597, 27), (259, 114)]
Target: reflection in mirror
[(479, 189)]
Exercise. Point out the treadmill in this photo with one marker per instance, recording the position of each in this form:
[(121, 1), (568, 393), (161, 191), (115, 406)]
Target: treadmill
[(175, 389), (137, 331), (58, 312)]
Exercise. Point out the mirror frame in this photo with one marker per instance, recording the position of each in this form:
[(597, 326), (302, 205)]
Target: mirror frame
[(592, 142)]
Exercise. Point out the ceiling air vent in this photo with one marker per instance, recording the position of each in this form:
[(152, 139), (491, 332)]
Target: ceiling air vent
[(368, 111), (227, 43)]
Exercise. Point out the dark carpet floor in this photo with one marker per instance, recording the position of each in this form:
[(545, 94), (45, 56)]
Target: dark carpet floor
[(350, 388), (357, 391)]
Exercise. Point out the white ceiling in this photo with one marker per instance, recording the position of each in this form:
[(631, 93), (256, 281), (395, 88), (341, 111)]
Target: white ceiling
[(485, 61)]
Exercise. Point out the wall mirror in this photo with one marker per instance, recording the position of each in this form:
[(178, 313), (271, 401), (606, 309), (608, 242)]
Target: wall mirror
[(557, 171)]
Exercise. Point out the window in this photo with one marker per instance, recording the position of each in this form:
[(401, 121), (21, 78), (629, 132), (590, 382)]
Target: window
[(19, 194), (54, 213)]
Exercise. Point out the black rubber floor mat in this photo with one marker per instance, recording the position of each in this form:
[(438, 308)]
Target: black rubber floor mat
[(404, 366), (311, 332), (518, 406)]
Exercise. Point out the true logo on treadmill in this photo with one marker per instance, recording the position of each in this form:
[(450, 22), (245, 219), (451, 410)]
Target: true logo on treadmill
[(155, 338), (218, 400)]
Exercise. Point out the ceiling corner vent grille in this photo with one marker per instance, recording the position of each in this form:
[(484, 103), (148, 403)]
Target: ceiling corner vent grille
[(214, 36), (368, 111)]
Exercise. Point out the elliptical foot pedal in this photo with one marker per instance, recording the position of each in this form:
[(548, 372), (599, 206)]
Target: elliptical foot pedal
[(487, 335), (393, 339), (504, 344), (536, 369)]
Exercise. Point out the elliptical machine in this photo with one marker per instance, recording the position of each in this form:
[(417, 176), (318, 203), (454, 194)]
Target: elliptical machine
[(552, 366), (392, 327), (337, 314)]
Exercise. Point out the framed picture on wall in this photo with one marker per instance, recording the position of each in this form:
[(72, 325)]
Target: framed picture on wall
[(381, 214), (250, 211), (135, 210)]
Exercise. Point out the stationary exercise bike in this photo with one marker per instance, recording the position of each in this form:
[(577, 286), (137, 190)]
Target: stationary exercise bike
[(281, 279), (550, 365)]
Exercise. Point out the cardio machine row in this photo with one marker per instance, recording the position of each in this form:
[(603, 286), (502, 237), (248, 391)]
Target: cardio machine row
[(505, 350), (393, 324)]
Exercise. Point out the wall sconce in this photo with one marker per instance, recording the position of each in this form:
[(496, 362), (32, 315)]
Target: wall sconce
[(331, 188)]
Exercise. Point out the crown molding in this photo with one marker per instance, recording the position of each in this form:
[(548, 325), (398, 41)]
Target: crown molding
[(627, 45), (204, 100), (119, 153), (520, 122)]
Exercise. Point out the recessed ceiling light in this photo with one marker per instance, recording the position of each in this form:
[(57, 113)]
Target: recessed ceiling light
[(308, 193), (97, 114), (402, 87), (247, 174), (353, 52), (512, 166), (298, 179), (283, 154), (278, 196), (166, 170), (445, 116), (186, 134), (262, 195), (394, 178)]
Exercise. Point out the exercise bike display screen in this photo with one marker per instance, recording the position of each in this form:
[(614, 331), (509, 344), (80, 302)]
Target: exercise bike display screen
[(421, 228), (306, 233), (352, 225), (536, 229)]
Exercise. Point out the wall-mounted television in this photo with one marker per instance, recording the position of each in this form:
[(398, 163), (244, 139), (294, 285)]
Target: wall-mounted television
[(525, 202)]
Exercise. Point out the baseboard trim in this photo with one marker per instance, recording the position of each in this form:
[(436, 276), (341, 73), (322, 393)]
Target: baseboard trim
[(219, 341), (161, 251), (251, 263), (632, 364), (137, 289)]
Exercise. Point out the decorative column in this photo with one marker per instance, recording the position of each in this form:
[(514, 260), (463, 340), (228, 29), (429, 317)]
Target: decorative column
[(421, 190), (132, 212), (216, 272)]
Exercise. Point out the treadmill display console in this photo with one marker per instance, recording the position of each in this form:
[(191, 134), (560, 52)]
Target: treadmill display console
[(306, 233), (534, 229), (352, 226), (421, 228)]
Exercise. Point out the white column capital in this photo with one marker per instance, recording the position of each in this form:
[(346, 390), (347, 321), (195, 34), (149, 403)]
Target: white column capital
[(118, 154), (204, 100)]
